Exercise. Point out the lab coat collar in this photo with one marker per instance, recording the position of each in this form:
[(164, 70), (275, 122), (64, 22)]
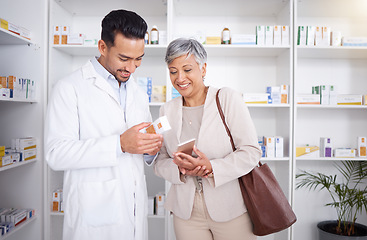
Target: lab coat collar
[(89, 73)]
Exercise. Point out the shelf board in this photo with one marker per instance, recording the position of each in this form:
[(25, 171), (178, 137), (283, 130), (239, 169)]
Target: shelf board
[(160, 50), (254, 105), (156, 217), (18, 100), (9, 38), (14, 165), (19, 227), (316, 106), (56, 213), (156, 104), (92, 50), (332, 52), (329, 159), (273, 159)]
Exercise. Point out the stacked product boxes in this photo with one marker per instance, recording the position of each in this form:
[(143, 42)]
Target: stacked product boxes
[(17, 88), (22, 149), (272, 146), (327, 150), (12, 217), (273, 95)]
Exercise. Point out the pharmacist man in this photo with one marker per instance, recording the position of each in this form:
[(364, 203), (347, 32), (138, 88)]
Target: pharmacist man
[(92, 134)]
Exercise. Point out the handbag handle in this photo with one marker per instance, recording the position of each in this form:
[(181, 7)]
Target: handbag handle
[(224, 122)]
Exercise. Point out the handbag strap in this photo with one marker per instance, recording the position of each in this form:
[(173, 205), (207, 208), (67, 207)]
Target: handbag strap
[(224, 120)]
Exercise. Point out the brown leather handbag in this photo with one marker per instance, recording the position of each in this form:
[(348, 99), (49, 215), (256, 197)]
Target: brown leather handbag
[(265, 201)]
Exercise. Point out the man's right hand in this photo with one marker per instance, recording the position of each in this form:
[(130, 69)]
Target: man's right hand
[(133, 141)]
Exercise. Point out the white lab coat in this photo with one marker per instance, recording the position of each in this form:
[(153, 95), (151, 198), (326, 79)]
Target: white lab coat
[(105, 193)]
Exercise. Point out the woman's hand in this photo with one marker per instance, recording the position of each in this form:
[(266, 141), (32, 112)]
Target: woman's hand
[(192, 166)]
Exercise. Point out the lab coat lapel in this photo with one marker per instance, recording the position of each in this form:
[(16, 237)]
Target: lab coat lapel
[(90, 73)]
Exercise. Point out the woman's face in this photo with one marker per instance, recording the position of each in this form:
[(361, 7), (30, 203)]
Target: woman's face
[(186, 76)]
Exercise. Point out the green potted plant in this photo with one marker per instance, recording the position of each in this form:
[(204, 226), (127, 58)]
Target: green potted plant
[(349, 198)]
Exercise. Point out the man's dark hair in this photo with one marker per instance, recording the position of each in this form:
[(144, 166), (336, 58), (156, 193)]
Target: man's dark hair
[(130, 24)]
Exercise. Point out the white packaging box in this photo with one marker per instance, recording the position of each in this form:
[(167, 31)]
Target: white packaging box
[(150, 205), (260, 35), (159, 204), (279, 147), (5, 160), (345, 152), (349, 99), (332, 95), (159, 126), (318, 36), (284, 93), (277, 35), (354, 41), (336, 38), (362, 146), (285, 35), (57, 197), (274, 92), (24, 32), (310, 40), (5, 93), (28, 154), (75, 39), (269, 35), (13, 28), (256, 98), (326, 36), (158, 93), (326, 148), (302, 36), (324, 94), (270, 146), (308, 99), (246, 39), (24, 143), (57, 34), (19, 216)]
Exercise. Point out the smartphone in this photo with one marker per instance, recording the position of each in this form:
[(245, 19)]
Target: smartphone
[(186, 147)]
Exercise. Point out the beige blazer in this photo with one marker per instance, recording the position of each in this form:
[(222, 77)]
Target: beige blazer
[(222, 192)]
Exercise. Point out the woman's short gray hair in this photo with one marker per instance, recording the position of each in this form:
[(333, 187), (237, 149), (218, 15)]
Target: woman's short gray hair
[(186, 46)]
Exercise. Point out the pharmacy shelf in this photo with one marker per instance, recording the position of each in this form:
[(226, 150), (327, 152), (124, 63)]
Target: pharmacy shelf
[(316, 106), (9, 38), (156, 104), (332, 52), (254, 105), (156, 217), (17, 228), (329, 159), (245, 50), (14, 165), (57, 214), (271, 159), (18, 100), (92, 50)]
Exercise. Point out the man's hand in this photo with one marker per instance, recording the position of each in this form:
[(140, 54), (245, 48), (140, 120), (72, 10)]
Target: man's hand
[(133, 141)]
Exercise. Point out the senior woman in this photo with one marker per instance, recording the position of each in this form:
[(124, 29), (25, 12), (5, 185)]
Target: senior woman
[(205, 197)]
